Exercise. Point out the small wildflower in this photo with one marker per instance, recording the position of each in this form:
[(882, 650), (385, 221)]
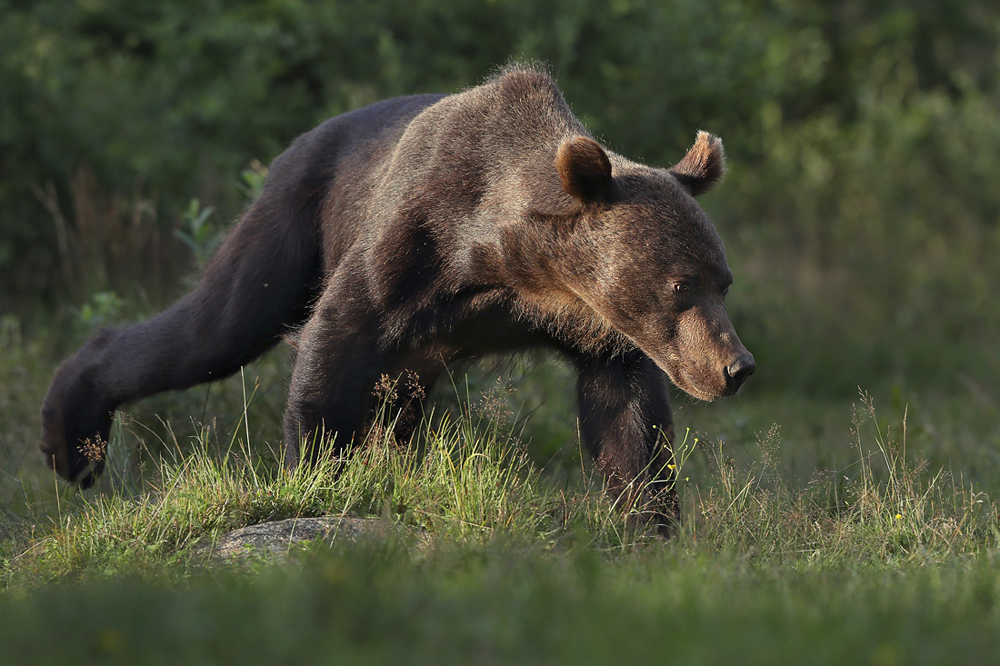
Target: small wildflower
[(899, 516), (93, 450), (671, 466)]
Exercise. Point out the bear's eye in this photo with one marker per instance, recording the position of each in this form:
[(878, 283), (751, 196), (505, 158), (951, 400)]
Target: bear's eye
[(681, 288)]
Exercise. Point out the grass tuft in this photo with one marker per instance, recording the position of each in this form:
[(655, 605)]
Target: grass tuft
[(465, 478), (885, 507)]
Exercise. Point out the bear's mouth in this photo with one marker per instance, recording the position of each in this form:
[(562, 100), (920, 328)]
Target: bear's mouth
[(728, 387), (696, 382), (708, 395)]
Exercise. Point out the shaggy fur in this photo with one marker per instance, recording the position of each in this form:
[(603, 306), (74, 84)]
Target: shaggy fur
[(428, 230)]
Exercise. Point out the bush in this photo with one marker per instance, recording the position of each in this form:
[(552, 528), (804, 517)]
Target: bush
[(861, 210)]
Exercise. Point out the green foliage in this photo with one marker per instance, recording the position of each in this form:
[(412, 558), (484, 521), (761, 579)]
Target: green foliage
[(253, 178), (102, 309), (199, 236), (861, 211)]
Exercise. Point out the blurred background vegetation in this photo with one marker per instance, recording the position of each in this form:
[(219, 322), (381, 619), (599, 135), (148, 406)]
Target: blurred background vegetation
[(861, 211)]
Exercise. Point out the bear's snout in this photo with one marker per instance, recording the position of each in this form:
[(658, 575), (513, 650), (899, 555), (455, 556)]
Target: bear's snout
[(738, 371)]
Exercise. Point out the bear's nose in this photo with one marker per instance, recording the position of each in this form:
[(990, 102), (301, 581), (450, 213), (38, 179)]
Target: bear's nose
[(740, 369)]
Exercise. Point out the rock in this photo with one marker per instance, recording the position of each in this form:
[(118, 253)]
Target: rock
[(277, 539)]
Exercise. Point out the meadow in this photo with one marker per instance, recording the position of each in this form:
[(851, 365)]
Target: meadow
[(818, 531), (841, 509)]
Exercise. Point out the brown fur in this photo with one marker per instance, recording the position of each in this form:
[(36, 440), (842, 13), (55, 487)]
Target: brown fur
[(434, 229)]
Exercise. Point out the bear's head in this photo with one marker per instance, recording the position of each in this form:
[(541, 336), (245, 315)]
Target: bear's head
[(645, 258)]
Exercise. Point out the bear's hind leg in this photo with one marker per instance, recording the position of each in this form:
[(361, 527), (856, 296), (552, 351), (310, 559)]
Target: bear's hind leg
[(259, 283)]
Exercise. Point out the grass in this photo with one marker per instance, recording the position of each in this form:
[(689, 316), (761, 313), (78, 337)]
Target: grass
[(876, 555), (464, 479), (508, 604)]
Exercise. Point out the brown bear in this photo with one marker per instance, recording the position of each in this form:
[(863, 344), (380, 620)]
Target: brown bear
[(427, 230)]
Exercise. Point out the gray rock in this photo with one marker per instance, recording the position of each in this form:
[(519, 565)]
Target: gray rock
[(277, 539)]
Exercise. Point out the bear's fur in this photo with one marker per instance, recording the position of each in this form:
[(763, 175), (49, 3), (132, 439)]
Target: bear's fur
[(427, 230)]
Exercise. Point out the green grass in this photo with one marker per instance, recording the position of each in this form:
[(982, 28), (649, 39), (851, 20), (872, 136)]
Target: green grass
[(505, 603), (817, 531)]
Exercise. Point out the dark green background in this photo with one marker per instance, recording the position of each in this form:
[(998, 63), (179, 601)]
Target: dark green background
[(860, 213)]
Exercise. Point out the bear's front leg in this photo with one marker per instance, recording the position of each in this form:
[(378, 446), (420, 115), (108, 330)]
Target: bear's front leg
[(625, 423), (340, 360)]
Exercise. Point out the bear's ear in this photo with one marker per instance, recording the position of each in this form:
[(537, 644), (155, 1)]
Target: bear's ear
[(584, 169), (703, 166)]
